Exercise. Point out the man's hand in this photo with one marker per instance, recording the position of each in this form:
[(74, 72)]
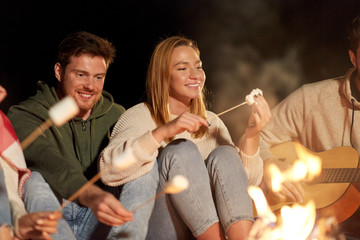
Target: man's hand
[(38, 225), (105, 206), (290, 191)]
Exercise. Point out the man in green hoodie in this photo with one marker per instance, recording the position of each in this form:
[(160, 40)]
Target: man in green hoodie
[(66, 156)]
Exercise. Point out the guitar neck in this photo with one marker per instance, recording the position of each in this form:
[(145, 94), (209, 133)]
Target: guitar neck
[(339, 175)]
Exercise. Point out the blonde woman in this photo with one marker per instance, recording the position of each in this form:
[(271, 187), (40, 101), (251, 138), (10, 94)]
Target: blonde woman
[(174, 129)]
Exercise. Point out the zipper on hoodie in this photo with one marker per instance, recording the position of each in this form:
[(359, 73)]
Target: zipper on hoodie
[(83, 126)]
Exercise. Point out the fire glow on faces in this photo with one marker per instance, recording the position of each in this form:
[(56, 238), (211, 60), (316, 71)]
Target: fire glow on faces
[(83, 79), (187, 77)]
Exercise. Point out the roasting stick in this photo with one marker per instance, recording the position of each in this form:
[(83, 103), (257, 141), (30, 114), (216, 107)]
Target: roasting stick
[(81, 190), (230, 109), (60, 113), (36, 133), (120, 162), (177, 184), (249, 99)]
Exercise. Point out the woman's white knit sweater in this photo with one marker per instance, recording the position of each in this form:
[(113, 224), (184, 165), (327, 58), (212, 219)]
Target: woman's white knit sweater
[(134, 130)]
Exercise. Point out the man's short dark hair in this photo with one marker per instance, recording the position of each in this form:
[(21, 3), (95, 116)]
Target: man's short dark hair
[(353, 34), (79, 43)]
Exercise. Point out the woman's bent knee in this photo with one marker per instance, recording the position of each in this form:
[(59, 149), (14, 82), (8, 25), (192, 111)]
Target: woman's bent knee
[(180, 146)]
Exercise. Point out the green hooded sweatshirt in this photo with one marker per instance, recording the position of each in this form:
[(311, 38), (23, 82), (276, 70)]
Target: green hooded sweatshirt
[(66, 156)]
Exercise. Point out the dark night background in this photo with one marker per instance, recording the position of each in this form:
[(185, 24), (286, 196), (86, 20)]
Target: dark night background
[(275, 45)]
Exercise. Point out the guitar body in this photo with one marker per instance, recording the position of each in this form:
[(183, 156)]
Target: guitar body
[(331, 199)]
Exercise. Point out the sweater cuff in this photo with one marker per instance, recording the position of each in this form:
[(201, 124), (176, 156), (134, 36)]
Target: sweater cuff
[(148, 143), (253, 167), (247, 158)]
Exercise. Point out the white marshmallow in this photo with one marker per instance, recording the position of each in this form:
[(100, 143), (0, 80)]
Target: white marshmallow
[(124, 160), (177, 184), (63, 111), (250, 98)]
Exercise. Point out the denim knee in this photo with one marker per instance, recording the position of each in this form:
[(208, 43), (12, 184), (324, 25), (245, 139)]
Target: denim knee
[(179, 146), (227, 155), (181, 152), (226, 150)]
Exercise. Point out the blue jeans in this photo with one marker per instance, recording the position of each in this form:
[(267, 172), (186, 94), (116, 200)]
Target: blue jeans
[(39, 197), (217, 192), (5, 213), (86, 226)]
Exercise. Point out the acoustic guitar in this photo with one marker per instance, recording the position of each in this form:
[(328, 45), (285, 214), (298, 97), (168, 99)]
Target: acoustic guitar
[(332, 191)]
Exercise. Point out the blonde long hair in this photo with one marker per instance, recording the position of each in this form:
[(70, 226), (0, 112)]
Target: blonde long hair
[(158, 83)]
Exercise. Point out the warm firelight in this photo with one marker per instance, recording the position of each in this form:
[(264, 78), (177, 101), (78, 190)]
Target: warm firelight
[(306, 167), (262, 208), (295, 222)]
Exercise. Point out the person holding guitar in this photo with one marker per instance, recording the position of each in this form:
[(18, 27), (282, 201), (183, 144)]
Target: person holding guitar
[(321, 116)]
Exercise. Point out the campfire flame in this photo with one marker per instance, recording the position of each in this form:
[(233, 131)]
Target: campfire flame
[(306, 167), (295, 222)]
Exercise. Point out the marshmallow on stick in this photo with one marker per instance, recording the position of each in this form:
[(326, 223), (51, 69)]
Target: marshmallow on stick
[(59, 114), (124, 160), (63, 111), (177, 184), (249, 100)]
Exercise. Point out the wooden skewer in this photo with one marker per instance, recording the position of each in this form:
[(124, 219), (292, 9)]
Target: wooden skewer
[(125, 164), (92, 181), (36, 133), (177, 184), (148, 201), (230, 109), (82, 189)]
